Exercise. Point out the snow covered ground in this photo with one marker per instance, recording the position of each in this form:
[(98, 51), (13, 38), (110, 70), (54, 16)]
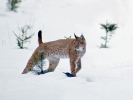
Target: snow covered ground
[(106, 74)]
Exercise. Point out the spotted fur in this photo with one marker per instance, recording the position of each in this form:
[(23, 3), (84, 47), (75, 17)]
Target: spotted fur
[(74, 49)]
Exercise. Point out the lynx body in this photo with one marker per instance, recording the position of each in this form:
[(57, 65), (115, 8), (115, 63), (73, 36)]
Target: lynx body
[(74, 49)]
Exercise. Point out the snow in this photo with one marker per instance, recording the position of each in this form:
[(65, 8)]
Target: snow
[(106, 74)]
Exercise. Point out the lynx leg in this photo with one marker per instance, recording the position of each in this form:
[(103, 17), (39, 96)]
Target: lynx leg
[(28, 67), (32, 61), (73, 66), (53, 62), (78, 65)]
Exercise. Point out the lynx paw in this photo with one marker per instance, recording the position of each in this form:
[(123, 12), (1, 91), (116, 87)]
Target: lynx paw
[(68, 74)]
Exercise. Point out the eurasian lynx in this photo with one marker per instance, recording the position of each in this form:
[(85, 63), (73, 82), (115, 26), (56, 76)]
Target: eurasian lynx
[(74, 49)]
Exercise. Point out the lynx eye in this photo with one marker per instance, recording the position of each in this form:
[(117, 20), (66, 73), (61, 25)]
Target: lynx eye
[(74, 42), (78, 43)]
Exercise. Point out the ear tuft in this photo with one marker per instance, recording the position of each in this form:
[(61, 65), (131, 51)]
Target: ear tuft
[(82, 37), (75, 35)]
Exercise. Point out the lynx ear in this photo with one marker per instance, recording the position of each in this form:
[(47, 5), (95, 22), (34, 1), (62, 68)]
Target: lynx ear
[(75, 36), (82, 37)]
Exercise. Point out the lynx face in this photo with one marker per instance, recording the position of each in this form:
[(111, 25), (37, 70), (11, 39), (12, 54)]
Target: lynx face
[(74, 49), (80, 44)]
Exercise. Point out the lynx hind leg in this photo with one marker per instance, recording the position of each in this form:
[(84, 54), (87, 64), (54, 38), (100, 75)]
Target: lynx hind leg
[(53, 62), (32, 61), (28, 67)]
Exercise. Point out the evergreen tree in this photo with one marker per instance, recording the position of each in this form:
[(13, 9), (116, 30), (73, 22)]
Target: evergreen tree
[(109, 30), (13, 4), (67, 37), (23, 38), (39, 62)]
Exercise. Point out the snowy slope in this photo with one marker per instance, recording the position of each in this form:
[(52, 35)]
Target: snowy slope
[(106, 74)]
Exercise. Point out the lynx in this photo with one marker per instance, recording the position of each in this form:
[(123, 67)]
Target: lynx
[(74, 49)]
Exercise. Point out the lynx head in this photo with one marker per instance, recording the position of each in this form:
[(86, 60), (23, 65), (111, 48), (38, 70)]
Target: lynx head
[(80, 43)]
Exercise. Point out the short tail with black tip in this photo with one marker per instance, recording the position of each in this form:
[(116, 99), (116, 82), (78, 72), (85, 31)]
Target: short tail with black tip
[(40, 37)]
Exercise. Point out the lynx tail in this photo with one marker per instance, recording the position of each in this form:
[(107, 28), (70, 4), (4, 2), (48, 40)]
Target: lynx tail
[(40, 37)]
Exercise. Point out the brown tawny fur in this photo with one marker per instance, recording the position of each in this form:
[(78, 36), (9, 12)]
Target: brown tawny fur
[(74, 49)]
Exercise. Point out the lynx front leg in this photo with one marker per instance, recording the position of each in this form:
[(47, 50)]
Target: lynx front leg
[(73, 66), (53, 62), (78, 65)]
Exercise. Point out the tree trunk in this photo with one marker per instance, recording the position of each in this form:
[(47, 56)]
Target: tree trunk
[(106, 40)]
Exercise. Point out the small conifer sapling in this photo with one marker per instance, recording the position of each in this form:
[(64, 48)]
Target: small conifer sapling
[(23, 37), (109, 31), (39, 62)]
